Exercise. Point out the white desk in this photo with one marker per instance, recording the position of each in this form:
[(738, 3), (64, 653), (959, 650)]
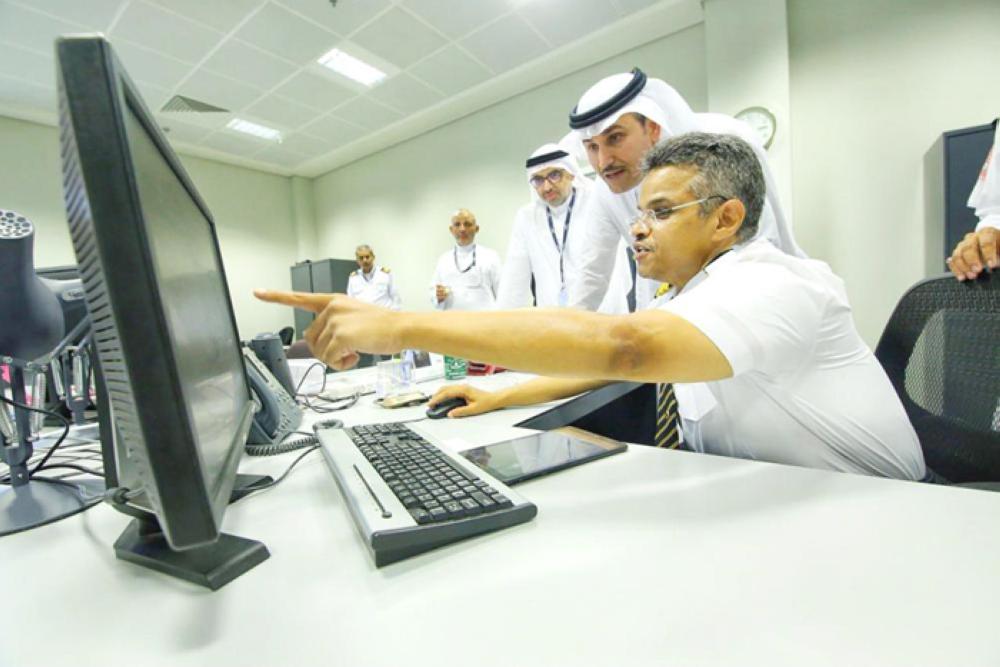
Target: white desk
[(646, 558)]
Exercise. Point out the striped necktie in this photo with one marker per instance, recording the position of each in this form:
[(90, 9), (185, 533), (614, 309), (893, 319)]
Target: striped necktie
[(667, 432)]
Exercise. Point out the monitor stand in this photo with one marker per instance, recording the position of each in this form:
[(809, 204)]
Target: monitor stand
[(212, 566), (25, 506)]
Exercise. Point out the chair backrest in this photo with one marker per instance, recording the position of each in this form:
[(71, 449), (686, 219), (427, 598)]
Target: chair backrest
[(941, 349)]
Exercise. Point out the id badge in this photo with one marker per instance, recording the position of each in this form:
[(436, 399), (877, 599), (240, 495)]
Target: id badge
[(563, 297)]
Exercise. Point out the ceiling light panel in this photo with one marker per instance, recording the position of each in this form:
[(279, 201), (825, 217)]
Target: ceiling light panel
[(254, 129), (399, 37), (353, 68)]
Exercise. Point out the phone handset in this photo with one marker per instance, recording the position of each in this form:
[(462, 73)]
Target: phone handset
[(277, 413)]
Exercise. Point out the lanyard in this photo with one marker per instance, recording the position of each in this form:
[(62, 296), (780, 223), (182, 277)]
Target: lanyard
[(454, 256), (555, 239)]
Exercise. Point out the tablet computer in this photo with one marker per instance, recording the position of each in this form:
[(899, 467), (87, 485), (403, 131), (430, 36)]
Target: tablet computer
[(514, 461)]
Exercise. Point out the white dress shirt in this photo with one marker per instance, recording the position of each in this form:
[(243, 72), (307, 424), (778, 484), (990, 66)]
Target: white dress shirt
[(533, 252), (985, 195), (376, 288), (805, 390), (472, 275)]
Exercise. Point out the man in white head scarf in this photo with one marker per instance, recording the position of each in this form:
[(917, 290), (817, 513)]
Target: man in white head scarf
[(540, 242), (980, 250), (618, 119)]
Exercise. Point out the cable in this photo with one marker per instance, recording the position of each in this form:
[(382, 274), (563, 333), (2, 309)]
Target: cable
[(339, 403), (318, 364), (89, 471), (53, 448), (283, 447), (267, 485)]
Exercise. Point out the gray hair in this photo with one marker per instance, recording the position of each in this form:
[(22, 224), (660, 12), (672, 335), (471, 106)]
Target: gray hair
[(364, 246), (726, 165)]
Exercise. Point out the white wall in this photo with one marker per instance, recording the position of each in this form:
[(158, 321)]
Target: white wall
[(873, 85), (400, 200), (253, 212)]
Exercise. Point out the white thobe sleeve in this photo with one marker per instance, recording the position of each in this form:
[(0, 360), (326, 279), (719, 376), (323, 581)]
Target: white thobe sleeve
[(493, 275), (438, 279), (589, 264), (397, 301), (515, 280), (985, 195)]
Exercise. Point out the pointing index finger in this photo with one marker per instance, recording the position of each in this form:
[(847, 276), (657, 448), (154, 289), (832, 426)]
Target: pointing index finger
[(305, 300)]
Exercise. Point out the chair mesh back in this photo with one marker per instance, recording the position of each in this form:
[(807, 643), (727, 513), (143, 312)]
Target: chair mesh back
[(941, 349)]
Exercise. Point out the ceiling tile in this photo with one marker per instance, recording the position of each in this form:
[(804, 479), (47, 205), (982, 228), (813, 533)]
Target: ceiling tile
[(30, 66), (450, 70), (404, 93), (505, 43), (335, 130), (229, 141), (343, 19), (209, 121), (564, 21), (154, 96), (367, 113), (92, 14), (222, 15), (456, 18), (243, 62), (308, 144), (282, 112), (23, 94), (178, 131), (151, 66), (219, 91), (281, 156), (284, 34), (317, 92), (630, 6), (154, 28), (30, 29), (399, 38)]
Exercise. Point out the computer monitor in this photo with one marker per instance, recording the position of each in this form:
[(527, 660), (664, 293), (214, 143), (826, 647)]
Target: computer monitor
[(163, 322), (623, 411)]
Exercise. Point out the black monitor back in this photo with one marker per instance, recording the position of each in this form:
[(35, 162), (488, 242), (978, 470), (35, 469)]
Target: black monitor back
[(158, 299), (623, 411)]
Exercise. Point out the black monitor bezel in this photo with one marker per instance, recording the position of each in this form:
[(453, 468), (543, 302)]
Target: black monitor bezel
[(189, 513)]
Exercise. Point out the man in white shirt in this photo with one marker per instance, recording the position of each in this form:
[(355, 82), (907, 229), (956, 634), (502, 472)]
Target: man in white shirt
[(981, 249), (618, 119), (760, 346), (372, 283), (467, 277), (542, 238)]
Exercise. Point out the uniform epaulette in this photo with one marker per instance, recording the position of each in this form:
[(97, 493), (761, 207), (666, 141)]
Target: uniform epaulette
[(663, 289), (385, 269), (354, 273)]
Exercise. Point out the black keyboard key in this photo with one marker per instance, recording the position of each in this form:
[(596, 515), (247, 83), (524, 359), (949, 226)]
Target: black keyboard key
[(485, 501), (471, 507), (502, 500), (420, 515), (438, 513), (455, 509)]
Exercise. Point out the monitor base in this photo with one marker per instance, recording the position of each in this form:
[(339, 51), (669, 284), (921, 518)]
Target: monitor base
[(212, 566), (43, 501)]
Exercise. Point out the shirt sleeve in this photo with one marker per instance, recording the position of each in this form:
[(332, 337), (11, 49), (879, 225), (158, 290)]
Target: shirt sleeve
[(760, 317), (591, 260), (985, 195), (351, 292), (435, 281), (397, 302), (515, 280)]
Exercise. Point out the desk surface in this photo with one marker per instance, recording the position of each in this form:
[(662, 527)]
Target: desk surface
[(647, 558)]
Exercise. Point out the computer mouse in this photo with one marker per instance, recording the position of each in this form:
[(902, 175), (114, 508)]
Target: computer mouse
[(442, 409)]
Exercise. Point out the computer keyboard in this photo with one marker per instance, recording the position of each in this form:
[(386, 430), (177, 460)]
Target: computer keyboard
[(408, 496)]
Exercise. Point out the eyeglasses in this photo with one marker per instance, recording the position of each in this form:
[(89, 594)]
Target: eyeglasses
[(552, 177), (654, 215)]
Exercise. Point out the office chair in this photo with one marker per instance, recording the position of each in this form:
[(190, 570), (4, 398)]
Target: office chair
[(941, 349)]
